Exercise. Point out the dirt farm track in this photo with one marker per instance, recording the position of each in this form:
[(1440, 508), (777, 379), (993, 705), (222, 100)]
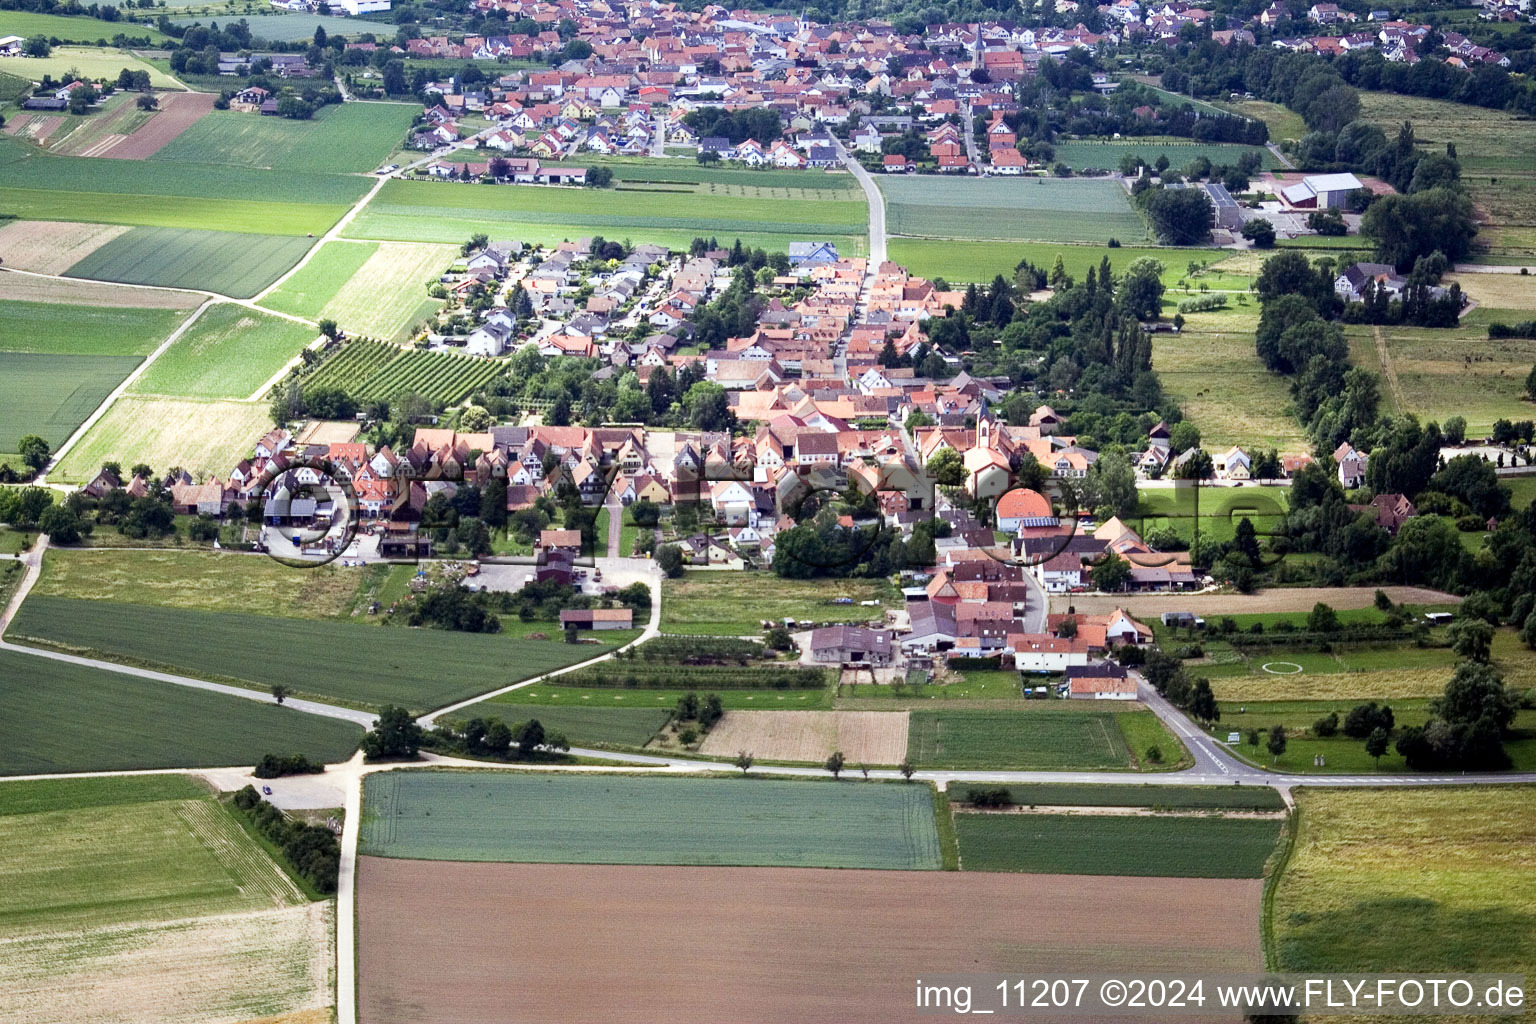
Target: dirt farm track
[(454, 943)]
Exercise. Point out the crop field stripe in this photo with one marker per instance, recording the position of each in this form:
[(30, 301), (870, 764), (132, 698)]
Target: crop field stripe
[(230, 263), (1183, 847), (251, 867)]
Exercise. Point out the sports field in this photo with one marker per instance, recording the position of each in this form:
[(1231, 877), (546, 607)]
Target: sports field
[(1215, 512), (51, 395), (352, 137), (415, 668), (1180, 152), (1410, 880), (1120, 844), (613, 819), (69, 718), (1049, 739), (369, 370), (200, 437), (414, 211), (142, 900), (703, 945), (230, 352), (1042, 209), (227, 262)]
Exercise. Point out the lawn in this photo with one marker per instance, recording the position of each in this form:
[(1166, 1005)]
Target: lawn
[(1437, 374), (958, 260), (230, 352), (1045, 209), (1076, 844), (1045, 739), (73, 29), (439, 212), (200, 437), (317, 282), (737, 603), (351, 137), (1283, 122), (1057, 794), (69, 718), (416, 668), (388, 292), (51, 395), (226, 262), (84, 330), (1410, 880), (128, 897), (647, 820), (1213, 370), (90, 61), (1106, 155)]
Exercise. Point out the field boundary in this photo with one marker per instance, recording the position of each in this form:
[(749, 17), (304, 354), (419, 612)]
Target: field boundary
[(1279, 861)]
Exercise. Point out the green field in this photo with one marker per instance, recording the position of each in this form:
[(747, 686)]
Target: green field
[(1048, 739), (547, 695), (416, 668), (230, 352), (1180, 152), (1056, 794), (317, 282), (1043, 209), (1436, 374), (735, 603), (1075, 844), (351, 137), (286, 26), (69, 718), (230, 263), (369, 370), (1214, 511), (610, 819), (388, 294), (51, 395), (1410, 880), (639, 171), (584, 725), (73, 29), (201, 437), (960, 261), (84, 330), (90, 61), (413, 211)]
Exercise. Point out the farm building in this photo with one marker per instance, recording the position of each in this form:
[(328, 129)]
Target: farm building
[(1321, 191), (597, 618), (855, 645), (1104, 680)]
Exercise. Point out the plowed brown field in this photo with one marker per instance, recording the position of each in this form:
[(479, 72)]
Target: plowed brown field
[(447, 943), (178, 112)]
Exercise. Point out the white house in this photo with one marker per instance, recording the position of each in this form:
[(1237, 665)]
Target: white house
[(1041, 652), (1351, 466)]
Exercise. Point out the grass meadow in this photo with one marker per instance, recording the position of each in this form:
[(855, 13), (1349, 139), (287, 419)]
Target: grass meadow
[(1180, 152), (230, 352), (733, 603), (1409, 880), (612, 819), (388, 293), (70, 718), (416, 668), (414, 211), (1041, 209), (585, 725), (1046, 739), (1138, 845), (226, 262), (351, 137), (201, 437)]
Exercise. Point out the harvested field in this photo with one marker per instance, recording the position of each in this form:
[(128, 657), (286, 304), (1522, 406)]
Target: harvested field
[(611, 819), (1422, 682), (1278, 599), (52, 247), (177, 113), (91, 293), (201, 437), (751, 944), (328, 432), (864, 737)]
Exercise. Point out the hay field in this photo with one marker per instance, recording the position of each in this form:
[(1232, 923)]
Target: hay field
[(864, 737), (230, 352), (142, 900), (52, 247), (1410, 880), (317, 282), (1497, 291), (93, 62), (752, 944), (1438, 374), (200, 437), (612, 819), (385, 294)]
